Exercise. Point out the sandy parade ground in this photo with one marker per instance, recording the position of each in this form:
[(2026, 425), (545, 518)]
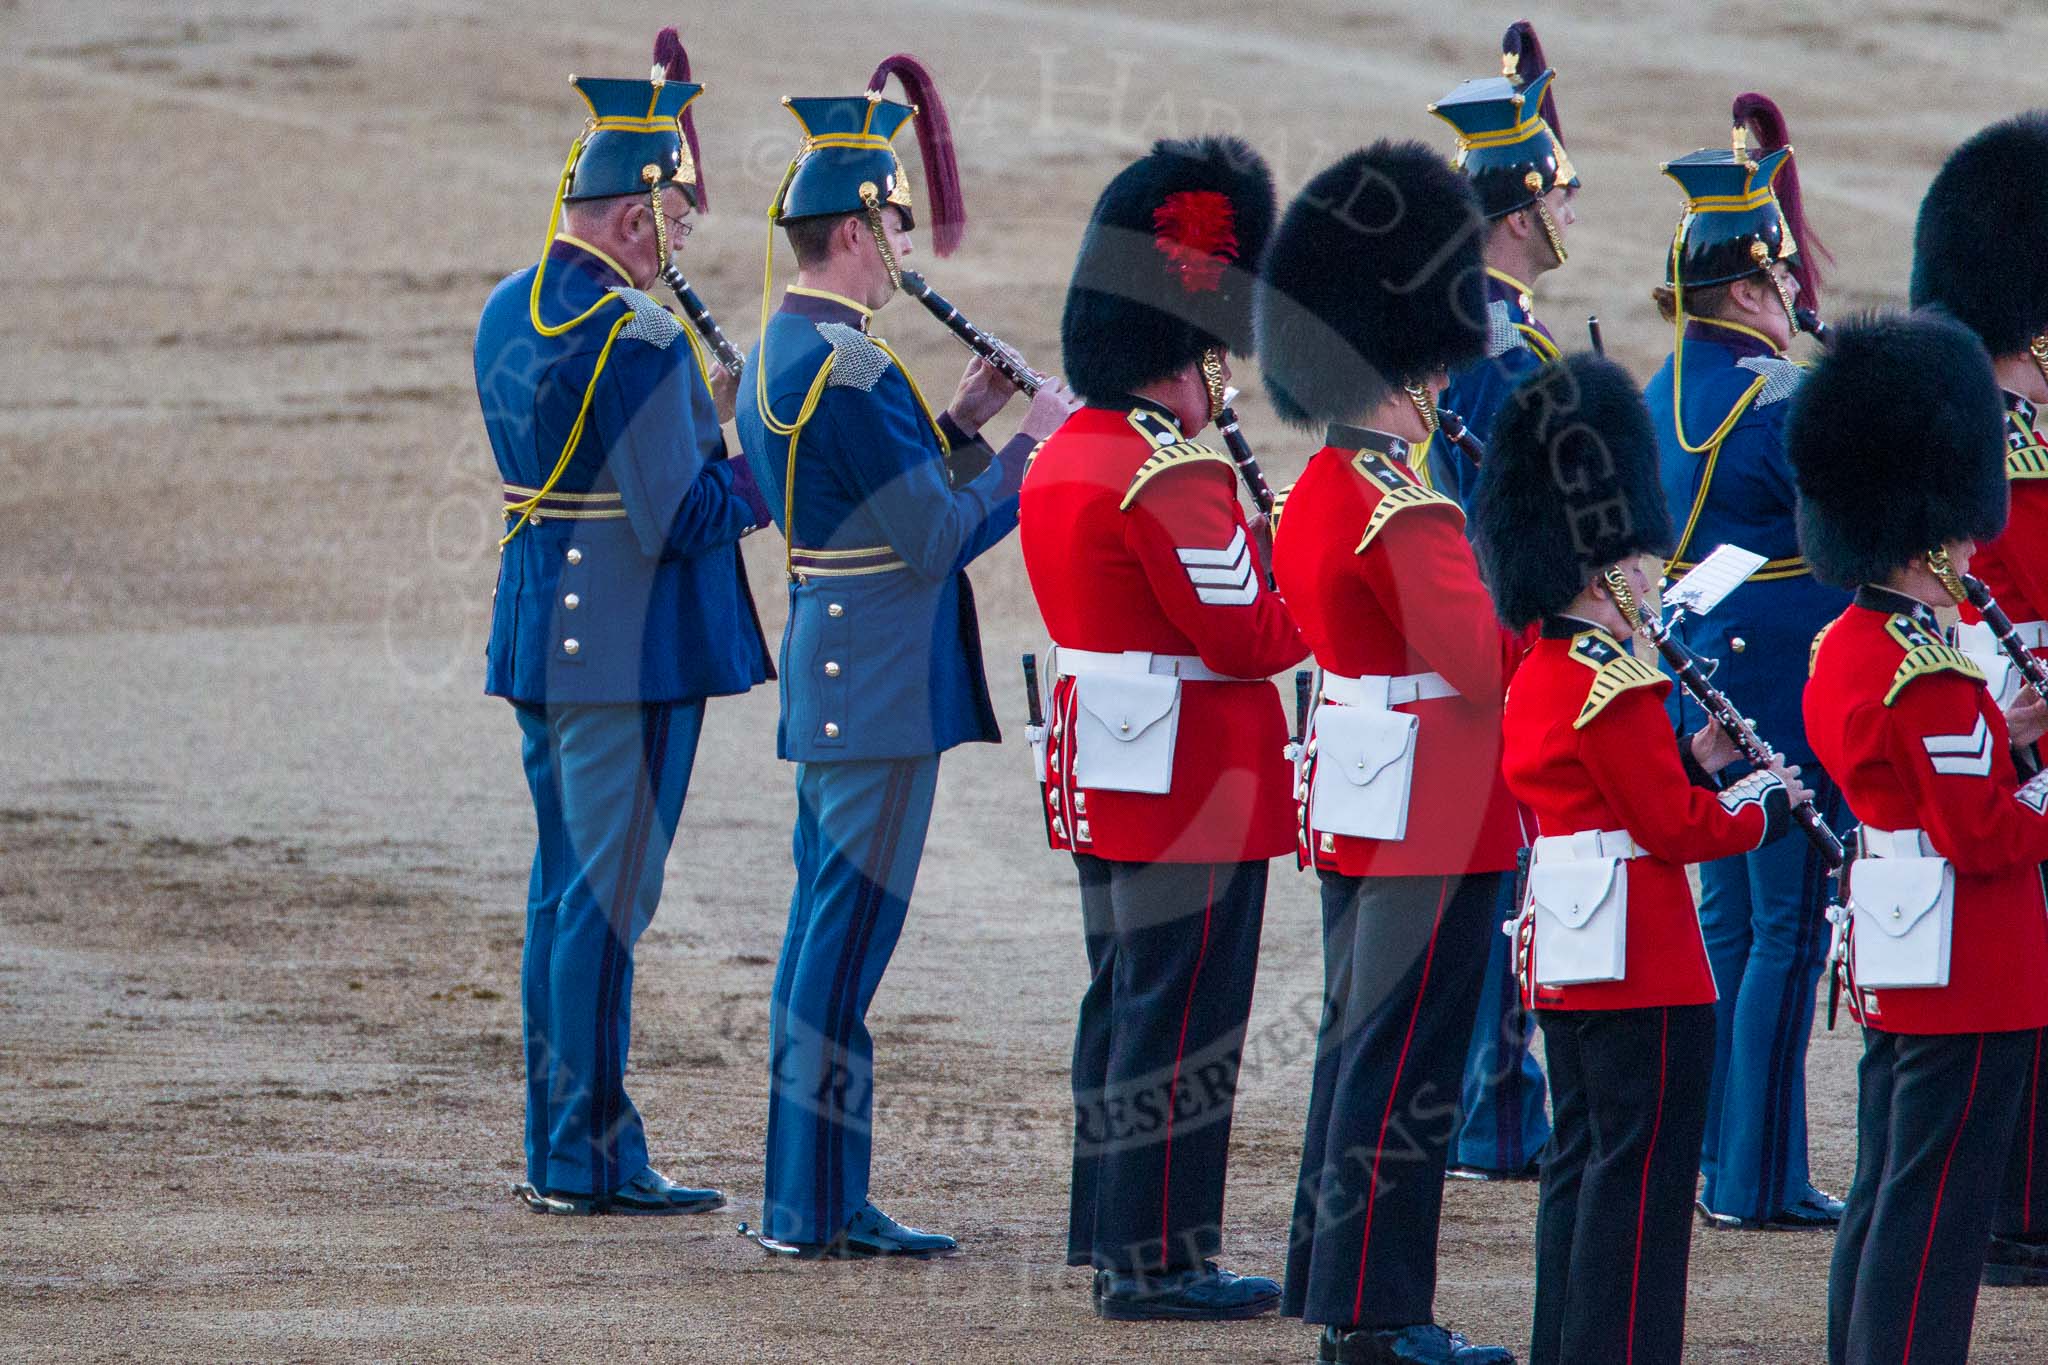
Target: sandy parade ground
[(263, 842)]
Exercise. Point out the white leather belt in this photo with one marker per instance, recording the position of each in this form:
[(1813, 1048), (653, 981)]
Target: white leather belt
[(1895, 843), (1588, 844), (1074, 663), (1398, 690), (2032, 634)]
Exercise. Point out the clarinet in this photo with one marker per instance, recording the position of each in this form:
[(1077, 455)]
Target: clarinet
[(700, 317), (1458, 434), (999, 356), (1241, 452), (1716, 704), (1593, 333), (2025, 660), (1809, 322)]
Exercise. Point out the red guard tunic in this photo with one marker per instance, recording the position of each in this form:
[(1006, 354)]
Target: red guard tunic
[(1589, 747), (1379, 575), (1134, 540), (2015, 565), (1905, 725)]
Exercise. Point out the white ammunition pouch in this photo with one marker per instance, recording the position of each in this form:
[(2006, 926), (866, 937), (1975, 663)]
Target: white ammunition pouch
[(1127, 715), (1578, 899), (1365, 753), (1902, 905)]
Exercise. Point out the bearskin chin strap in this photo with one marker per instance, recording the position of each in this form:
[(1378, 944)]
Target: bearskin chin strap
[(2038, 349), (1212, 379), (1419, 395)]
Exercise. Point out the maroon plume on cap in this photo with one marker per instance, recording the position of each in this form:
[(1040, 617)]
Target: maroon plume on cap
[(935, 142), (675, 63), (1521, 43), (1766, 124)]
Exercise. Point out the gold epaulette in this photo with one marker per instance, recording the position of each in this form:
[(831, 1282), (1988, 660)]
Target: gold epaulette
[(1398, 494), (1178, 455), (1926, 654), (1615, 671), (2028, 462), (1813, 650), (1280, 504)]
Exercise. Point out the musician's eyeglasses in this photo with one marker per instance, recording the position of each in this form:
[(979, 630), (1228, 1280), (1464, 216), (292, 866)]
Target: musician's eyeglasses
[(678, 227)]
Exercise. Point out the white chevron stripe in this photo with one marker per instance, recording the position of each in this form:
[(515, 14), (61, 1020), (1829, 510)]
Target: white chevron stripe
[(1230, 597), (1229, 554), (1232, 576), (1961, 755)]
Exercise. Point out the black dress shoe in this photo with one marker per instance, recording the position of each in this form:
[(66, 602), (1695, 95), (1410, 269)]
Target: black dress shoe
[(869, 1233), (648, 1194), (1533, 1170), (1423, 1344), (2016, 1261), (1209, 1294), (1815, 1210)]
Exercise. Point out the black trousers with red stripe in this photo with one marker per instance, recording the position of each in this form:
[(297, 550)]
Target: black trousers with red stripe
[(2023, 1207), (1934, 1123), (1403, 962), (1172, 951), (1614, 1224)]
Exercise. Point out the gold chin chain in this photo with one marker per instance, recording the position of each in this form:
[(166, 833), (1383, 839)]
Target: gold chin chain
[(651, 175), (2038, 349), (1761, 254), (1624, 596), (1212, 379), (871, 199), (1424, 404), (1941, 567), (1533, 182)]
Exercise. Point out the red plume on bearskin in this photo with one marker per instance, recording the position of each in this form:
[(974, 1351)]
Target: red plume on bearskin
[(1196, 230), (1767, 124), (935, 142), (675, 64), (1520, 42)]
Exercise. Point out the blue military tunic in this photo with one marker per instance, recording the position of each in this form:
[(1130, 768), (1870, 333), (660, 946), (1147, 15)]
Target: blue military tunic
[(882, 655), (1740, 491), (1762, 913), (883, 507), (626, 584), (621, 605), (1517, 345)]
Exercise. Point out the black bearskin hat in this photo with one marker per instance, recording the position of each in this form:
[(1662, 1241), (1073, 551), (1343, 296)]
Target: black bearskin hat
[(1897, 442), (1569, 486), (1167, 266), (1980, 249), (1376, 279)]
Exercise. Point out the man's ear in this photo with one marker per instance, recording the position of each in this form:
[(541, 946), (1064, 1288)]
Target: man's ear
[(851, 231)]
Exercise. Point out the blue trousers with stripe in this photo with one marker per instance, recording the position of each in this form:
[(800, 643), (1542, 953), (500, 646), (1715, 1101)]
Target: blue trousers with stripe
[(1504, 1126), (860, 830), (1934, 1121), (608, 785), (1764, 918), (1402, 961)]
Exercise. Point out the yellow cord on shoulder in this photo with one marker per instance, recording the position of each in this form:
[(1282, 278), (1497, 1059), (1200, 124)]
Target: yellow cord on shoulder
[(796, 432), (540, 271), (525, 506), (1711, 447)]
